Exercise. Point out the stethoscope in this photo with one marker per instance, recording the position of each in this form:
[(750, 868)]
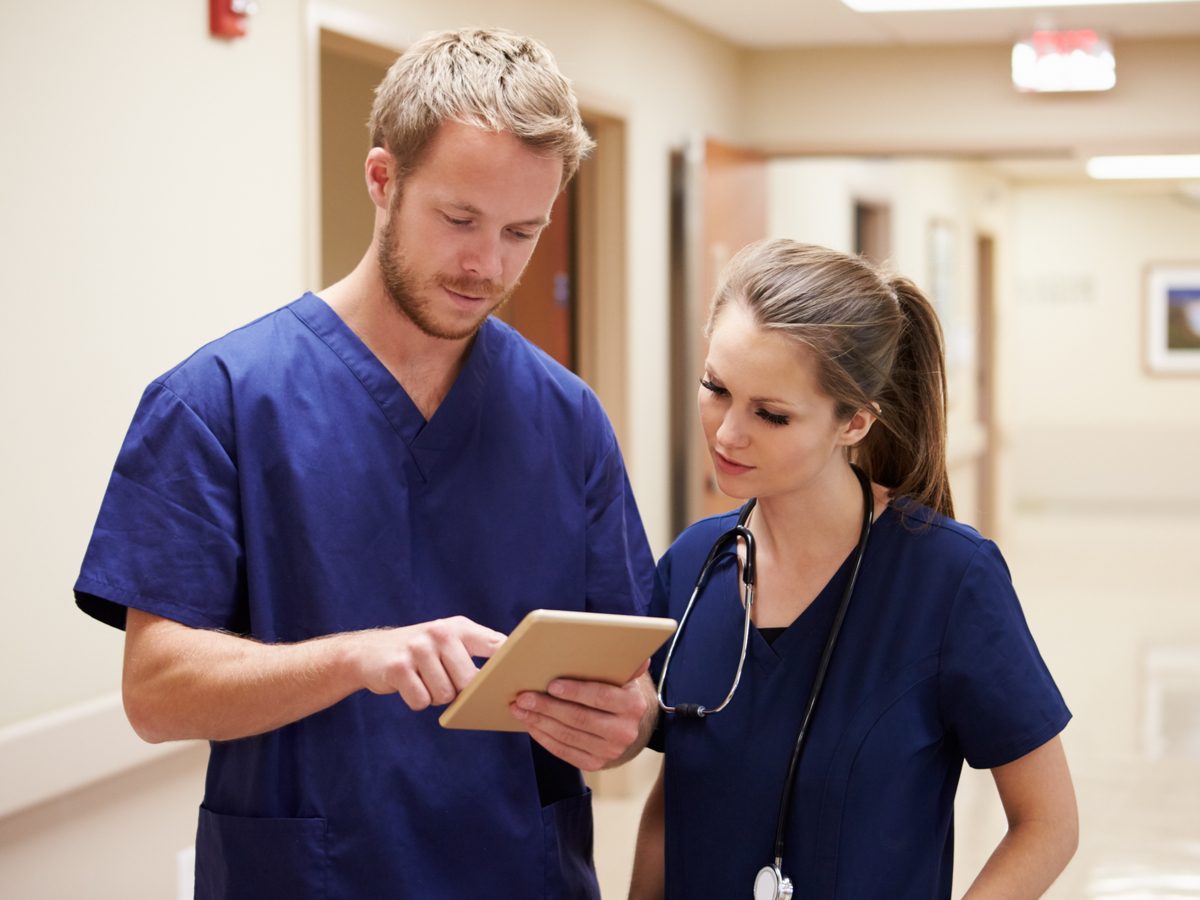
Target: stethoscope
[(770, 883)]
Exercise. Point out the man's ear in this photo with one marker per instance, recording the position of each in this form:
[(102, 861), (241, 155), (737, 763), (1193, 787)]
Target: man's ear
[(857, 426), (380, 171)]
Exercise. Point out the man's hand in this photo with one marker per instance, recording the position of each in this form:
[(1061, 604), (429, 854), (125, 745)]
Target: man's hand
[(590, 724), (427, 664)]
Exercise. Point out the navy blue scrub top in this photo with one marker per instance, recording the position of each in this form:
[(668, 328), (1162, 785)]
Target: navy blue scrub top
[(934, 664), (281, 484)]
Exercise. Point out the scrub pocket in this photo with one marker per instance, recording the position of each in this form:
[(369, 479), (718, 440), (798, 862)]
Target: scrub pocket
[(260, 859), (567, 826)]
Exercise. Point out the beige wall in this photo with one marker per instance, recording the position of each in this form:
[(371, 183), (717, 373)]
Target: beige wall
[(153, 199), (865, 100), (1088, 423), (117, 839)]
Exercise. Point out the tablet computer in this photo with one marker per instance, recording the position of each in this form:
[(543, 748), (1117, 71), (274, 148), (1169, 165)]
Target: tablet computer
[(550, 644)]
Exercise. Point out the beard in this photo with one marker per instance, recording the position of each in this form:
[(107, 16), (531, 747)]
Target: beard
[(410, 293)]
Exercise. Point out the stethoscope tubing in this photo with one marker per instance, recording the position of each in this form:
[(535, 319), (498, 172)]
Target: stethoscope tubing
[(741, 531), (823, 666), (696, 710)]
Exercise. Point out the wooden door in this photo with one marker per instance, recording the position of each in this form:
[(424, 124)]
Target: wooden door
[(719, 206), (542, 307), (987, 514)]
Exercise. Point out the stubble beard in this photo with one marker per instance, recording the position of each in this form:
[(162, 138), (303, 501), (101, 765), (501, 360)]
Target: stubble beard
[(404, 287)]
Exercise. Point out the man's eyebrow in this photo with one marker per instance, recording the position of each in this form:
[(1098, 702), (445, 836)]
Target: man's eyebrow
[(539, 221)]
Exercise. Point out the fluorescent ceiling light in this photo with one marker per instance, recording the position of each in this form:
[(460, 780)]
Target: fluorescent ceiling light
[(1175, 166), (870, 6)]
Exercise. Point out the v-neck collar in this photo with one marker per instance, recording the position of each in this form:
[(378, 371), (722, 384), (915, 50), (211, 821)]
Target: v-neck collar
[(812, 619), (817, 615), (428, 441)]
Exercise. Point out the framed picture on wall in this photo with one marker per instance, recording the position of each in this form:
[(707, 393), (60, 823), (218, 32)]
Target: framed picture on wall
[(1172, 318)]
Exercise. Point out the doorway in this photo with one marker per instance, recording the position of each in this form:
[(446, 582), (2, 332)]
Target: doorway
[(985, 383), (873, 231), (718, 205)]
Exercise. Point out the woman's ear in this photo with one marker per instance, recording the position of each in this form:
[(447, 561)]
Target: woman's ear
[(380, 172), (858, 425)]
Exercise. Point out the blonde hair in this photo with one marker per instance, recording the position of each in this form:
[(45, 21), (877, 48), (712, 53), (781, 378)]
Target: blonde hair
[(878, 346), (489, 78)]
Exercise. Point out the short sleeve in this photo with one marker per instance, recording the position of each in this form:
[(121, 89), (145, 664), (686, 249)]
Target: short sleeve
[(620, 567), (168, 537), (997, 696)]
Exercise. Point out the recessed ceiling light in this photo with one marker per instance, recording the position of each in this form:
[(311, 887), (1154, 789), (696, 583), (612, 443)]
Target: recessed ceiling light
[(1172, 166), (870, 6)]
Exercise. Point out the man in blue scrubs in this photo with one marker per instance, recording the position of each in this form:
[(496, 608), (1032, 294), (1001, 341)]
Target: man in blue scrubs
[(353, 497)]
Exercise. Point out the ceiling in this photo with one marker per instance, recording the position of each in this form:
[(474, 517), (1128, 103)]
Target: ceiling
[(811, 23), (807, 23)]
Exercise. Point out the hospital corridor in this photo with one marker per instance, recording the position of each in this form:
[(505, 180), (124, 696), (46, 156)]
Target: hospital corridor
[(173, 171)]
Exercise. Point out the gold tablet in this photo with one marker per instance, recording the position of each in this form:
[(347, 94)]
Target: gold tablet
[(550, 644)]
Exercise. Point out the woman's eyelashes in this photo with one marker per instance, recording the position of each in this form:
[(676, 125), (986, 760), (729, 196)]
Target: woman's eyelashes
[(766, 415), (770, 417)]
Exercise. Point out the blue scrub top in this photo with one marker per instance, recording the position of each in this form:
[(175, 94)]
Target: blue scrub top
[(280, 484), (934, 665)]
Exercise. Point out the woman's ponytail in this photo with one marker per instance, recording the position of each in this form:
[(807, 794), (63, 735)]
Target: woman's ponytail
[(908, 454), (878, 345)]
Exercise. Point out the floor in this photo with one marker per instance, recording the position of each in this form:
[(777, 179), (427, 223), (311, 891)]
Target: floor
[(1113, 598)]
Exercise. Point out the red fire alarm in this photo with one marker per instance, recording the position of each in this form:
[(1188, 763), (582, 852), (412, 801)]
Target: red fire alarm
[(227, 18)]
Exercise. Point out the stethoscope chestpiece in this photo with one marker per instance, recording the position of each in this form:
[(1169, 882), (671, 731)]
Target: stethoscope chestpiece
[(770, 884)]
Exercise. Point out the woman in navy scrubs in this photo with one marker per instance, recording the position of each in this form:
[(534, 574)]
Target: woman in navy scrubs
[(817, 360)]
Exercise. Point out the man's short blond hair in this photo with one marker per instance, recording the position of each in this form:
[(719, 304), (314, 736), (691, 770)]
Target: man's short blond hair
[(489, 78)]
